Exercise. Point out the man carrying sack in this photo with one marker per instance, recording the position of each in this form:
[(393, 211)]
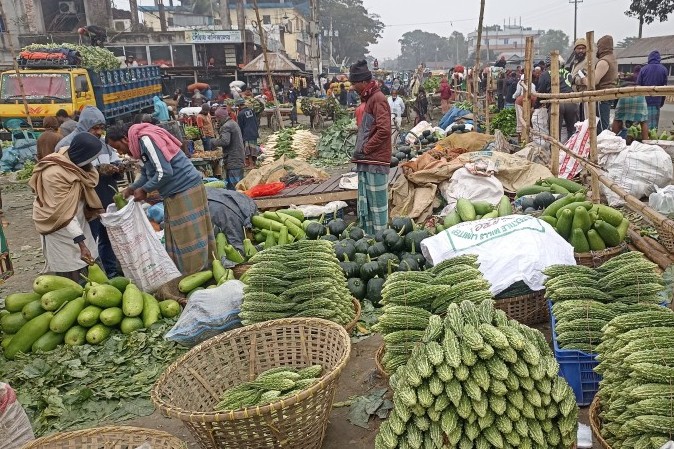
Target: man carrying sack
[(372, 155)]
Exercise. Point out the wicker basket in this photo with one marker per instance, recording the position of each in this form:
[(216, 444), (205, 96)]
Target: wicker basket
[(170, 291), (378, 356), (352, 324), (240, 270), (527, 309), (593, 259), (595, 423), (190, 388), (666, 235), (112, 437)]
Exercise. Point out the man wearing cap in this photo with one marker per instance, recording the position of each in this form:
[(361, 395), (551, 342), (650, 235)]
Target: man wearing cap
[(577, 65), (249, 131), (233, 152), (540, 118), (606, 77), (372, 155)]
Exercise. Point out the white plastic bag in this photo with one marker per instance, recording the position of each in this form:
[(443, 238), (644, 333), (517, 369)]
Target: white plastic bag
[(312, 210), (208, 313), (15, 429), (418, 131), (638, 170), (662, 200), (142, 256), (584, 437), (609, 146), (509, 249), (463, 184)]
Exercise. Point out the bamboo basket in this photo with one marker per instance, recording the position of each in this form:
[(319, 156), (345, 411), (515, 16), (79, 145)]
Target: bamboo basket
[(170, 291), (352, 324), (527, 309), (240, 270), (191, 387), (594, 259), (378, 356), (111, 437), (595, 423)]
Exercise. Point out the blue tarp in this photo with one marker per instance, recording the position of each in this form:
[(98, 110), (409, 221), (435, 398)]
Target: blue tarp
[(451, 116)]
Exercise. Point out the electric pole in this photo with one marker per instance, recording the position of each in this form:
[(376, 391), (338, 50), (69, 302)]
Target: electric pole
[(575, 18)]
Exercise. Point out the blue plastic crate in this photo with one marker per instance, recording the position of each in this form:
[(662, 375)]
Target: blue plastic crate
[(576, 367)]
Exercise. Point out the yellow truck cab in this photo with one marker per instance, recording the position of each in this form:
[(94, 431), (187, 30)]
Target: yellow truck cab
[(49, 86)]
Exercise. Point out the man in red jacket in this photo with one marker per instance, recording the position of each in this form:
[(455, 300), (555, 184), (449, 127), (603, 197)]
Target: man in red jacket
[(373, 150)]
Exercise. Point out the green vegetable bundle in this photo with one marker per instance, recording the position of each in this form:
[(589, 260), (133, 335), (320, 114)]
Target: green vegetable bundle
[(585, 299), (95, 58), (636, 393), (301, 279), (505, 121), (410, 297), (479, 380), (192, 133), (431, 84), (270, 386), (60, 311), (337, 142), (467, 210), (26, 172)]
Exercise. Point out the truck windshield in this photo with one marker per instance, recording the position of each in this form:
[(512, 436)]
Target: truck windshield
[(37, 86)]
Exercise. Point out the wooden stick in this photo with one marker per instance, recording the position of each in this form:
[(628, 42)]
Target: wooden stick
[(642, 245), (526, 105), (476, 70), (554, 111), (560, 145), (638, 90), (597, 97), (592, 114), (486, 104), (263, 41)]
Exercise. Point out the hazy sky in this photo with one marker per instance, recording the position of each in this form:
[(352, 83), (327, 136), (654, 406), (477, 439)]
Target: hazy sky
[(445, 16)]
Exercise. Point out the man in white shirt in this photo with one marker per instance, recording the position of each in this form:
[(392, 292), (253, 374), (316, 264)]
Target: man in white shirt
[(397, 106)]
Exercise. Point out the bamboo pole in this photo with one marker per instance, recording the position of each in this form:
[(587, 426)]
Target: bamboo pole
[(592, 114), (526, 105), (476, 70), (635, 90), (263, 42), (19, 78), (662, 259), (490, 86), (554, 114)]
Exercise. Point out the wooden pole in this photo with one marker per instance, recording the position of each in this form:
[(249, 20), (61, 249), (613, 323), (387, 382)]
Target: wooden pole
[(554, 111), (263, 41), (592, 113), (19, 77), (650, 91), (526, 105), (476, 70), (486, 105)]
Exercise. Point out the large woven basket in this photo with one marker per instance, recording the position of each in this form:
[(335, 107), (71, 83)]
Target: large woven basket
[(240, 270), (595, 423), (112, 437), (352, 324), (594, 259), (665, 235), (378, 356), (170, 291), (190, 388), (527, 309)]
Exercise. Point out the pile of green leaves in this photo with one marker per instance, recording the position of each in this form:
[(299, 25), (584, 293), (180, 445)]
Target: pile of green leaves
[(431, 84), (26, 172), (84, 386), (95, 58), (465, 105), (192, 133), (506, 121), (337, 143), (284, 143)]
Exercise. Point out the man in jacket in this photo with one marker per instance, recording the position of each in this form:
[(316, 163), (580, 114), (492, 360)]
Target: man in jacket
[(249, 130), (653, 74), (68, 125), (577, 66), (372, 155), (540, 119), (606, 77), (231, 141)]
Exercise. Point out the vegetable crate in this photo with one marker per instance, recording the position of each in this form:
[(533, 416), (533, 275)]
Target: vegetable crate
[(191, 387), (576, 367)]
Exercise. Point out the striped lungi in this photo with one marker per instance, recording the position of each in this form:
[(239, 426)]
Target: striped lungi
[(188, 231), (632, 109), (653, 117), (372, 201), (233, 177)]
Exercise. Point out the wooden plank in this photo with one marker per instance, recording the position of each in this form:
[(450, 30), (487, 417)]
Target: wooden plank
[(342, 195)]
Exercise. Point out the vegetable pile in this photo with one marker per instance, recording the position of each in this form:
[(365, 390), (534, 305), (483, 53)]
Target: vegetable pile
[(26, 172), (276, 228), (410, 298), (192, 133), (60, 311), (505, 121), (95, 58), (585, 299), (293, 143), (479, 380), (301, 279), (475, 210), (337, 142), (270, 386), (637, 365)]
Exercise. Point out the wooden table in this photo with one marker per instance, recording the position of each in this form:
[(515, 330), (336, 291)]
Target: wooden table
[(321, 193)]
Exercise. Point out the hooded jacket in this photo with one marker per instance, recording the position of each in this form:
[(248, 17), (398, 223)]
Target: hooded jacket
[(653, 74), (373, 143), (232, 144), (161, 112), (606, 55)]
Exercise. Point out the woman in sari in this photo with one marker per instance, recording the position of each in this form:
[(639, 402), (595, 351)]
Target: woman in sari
[(188, 231), (65, 201)]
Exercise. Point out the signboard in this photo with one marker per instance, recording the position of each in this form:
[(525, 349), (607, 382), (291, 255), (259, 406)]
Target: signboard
[(213, 37)]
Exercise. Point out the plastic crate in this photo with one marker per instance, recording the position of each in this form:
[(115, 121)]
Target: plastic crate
[(576, 367)]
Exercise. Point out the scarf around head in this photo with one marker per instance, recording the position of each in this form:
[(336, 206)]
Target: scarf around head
[(166, 142), (59, 186), (370, 90)]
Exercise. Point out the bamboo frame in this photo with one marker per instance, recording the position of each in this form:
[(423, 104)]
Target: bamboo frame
[(554, 112), (490, 90), (526, 104), (476, 70), (592, 114), (635, 90)]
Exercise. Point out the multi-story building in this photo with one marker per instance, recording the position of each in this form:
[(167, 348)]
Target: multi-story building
[(509, 39)]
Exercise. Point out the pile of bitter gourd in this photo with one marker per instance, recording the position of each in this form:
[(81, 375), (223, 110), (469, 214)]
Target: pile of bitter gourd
[(585, 299), (301, 279), (637, 389), (410, 297), (479, 380)]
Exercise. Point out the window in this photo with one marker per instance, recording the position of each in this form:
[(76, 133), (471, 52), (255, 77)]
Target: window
[(37, 85), (161, 55), (266, 20), (183, 55), (170, 21), (2, 24), (119, 25), (515, 44), (505, 41)]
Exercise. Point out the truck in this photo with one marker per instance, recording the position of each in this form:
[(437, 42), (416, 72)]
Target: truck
[(50, 85)]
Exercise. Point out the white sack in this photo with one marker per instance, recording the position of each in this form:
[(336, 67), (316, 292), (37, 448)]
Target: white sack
[(463, 184)]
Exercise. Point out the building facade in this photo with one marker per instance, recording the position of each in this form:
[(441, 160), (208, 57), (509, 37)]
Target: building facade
[(510, 39)]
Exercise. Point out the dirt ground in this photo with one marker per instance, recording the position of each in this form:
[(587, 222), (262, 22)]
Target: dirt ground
[(358, 378)]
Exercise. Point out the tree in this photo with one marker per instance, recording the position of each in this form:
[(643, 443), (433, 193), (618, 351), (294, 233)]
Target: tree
[(457, 47), (626, 42), (649, 10), (553, 40), (418, 47), (356, 28)]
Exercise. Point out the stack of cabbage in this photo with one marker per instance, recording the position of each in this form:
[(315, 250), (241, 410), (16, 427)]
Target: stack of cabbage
[(479, 380)]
